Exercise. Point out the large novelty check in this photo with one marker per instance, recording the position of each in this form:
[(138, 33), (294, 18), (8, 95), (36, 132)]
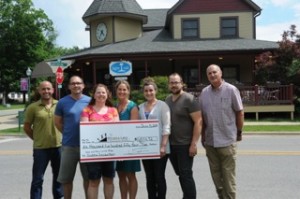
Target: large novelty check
[(124, 140)]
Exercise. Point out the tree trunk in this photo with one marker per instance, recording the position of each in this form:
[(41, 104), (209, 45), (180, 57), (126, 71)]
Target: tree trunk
[(4, 96)]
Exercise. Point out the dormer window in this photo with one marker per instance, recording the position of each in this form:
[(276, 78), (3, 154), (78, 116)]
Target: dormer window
[(229, 27), (190, 28)]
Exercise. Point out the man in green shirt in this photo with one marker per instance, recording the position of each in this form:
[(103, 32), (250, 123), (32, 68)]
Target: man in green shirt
[(39, 126)]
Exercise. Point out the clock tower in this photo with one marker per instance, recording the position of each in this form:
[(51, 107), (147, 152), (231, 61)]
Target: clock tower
[(111, 23)]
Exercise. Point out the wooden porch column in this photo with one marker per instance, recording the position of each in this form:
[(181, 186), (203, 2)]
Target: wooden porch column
[(146, 68), (253, 68), (291, 93), (94, 73), (199, 69), (256, 94)]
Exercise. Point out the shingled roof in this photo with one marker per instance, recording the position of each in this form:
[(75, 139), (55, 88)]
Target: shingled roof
[(161, 42), (156, 18), (129, 8)]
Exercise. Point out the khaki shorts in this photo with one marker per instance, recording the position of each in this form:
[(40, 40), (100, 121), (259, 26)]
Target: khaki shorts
[(69, 159)]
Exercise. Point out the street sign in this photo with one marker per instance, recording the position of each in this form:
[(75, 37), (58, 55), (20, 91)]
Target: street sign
[(120, 68), (120, 78), (24, 84), (59, 75)]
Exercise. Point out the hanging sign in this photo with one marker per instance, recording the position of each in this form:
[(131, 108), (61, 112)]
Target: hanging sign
[(120, 68)]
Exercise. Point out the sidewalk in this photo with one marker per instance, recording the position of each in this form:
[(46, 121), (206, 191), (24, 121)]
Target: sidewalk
[(9, 119)]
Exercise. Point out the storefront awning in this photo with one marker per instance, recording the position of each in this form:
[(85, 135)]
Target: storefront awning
[(48, 69)]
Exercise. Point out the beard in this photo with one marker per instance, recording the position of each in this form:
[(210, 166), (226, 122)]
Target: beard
[(176, 92)]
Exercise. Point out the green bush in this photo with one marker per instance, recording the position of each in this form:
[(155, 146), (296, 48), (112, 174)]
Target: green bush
[(162, 85)]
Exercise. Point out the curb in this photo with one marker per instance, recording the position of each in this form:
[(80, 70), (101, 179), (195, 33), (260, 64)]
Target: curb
[(271, 133)]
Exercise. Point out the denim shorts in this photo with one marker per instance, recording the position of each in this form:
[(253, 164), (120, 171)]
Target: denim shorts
[(98, 169)]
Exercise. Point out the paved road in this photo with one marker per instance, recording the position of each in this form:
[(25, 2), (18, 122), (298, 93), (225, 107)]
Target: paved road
[(267, 167)]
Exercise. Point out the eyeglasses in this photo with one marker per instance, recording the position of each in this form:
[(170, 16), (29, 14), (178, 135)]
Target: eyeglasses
[(76, 83), (174, 83)]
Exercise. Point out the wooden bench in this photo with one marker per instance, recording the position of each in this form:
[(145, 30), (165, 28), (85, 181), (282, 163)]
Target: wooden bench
[(270, 109)]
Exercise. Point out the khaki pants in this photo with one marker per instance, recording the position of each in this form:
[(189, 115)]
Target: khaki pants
[(222, 163)]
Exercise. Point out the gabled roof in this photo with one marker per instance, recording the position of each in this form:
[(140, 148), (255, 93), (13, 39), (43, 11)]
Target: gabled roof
[(156, 18), (161, 42), (205, 5), (250, 3), (125, 8)]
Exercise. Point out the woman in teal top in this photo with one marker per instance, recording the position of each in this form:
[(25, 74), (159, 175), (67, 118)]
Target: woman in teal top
[(128, 110)]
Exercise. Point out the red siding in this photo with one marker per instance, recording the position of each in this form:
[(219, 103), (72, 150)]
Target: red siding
[(203, 6)]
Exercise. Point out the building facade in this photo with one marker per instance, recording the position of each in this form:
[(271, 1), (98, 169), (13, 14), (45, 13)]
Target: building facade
[(185, 39)]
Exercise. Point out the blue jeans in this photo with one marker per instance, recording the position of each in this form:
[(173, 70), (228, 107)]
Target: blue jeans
[(155, 177), (41, 158), (183, 164)]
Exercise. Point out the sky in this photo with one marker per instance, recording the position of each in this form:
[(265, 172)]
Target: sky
[(276, 17)]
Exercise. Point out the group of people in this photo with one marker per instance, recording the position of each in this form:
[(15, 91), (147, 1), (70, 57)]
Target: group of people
[(216, 116)]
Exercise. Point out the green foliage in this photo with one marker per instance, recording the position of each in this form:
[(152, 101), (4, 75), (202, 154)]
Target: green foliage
[(297, 104), (271, 128), (13, 106), (294, 69), (58, 51), (162, 85), (281, 64), (26, 36)]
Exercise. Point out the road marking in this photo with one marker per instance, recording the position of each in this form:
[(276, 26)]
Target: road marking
[(9, 140), (16, 152), (261, 153), (200, 152), (273, 153)]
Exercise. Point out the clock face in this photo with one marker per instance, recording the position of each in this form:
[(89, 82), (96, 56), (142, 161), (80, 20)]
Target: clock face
[(101, 31)]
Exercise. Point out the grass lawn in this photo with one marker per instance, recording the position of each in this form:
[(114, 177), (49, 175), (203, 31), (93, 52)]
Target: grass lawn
[(272, 128), (12, 106), (12, 131)]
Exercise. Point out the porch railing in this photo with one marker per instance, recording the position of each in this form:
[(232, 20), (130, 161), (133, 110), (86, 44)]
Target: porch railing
[(259, 95)]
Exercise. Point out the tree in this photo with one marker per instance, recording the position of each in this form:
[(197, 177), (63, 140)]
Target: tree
[(26, 36), (162, 85), (282, 64)]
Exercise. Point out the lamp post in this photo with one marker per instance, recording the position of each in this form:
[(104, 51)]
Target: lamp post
[(28, 73)]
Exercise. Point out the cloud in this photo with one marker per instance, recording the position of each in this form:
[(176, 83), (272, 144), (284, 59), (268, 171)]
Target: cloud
[(277, 16), (296, 7), (270, 33), (147, 4), (273, 32), (281, 3)]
